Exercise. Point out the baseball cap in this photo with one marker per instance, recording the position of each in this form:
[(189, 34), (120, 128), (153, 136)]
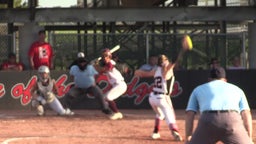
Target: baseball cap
[(217, 73), (80, 55)]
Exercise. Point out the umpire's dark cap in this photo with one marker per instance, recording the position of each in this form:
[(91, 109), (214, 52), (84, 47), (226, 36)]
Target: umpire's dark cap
[(217, 73)]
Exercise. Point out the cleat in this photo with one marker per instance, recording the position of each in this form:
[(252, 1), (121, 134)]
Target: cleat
[(116, 116), (40, 110), (155, 136), (176, 136), (67, 112)]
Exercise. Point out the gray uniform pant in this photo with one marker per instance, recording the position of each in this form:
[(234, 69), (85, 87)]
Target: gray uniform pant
[(227, 127), (95, 90)]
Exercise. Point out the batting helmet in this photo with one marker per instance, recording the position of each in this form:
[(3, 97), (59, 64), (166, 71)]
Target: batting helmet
[(106, 53)]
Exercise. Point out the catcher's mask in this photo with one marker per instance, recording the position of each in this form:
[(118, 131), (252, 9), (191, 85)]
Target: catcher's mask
[(43, 73), (82, 63)]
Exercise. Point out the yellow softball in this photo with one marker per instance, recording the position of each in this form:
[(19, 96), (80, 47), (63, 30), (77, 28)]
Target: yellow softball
[(189, 42)]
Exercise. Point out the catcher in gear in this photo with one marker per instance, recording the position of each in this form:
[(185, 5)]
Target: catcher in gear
[(44, 93)]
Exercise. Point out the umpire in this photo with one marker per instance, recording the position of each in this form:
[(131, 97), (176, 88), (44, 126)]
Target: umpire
[(225, 113)]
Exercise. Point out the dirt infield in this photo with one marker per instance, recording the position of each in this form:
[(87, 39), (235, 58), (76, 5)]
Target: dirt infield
[(86, 127)]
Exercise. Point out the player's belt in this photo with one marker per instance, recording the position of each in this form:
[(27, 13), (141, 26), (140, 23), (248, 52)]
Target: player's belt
[(157, 93), (116, 83), (219, 111)]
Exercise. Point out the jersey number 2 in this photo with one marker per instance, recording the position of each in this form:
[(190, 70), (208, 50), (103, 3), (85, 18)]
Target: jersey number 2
[(158, 82)]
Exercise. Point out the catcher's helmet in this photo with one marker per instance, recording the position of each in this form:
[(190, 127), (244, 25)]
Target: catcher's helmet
[(43, 73), (43, 69)]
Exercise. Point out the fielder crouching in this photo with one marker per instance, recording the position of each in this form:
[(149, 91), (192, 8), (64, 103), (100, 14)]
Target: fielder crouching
[(44, 93)]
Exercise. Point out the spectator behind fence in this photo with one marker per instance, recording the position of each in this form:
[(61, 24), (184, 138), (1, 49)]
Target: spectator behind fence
[(152, 63), (236, 64), (214, 63), (11, 64), (40, 53), (123, 67)]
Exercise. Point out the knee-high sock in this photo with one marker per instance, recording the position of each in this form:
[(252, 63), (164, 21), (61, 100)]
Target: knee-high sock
[(157, 125), (112, 106), (173, 127)]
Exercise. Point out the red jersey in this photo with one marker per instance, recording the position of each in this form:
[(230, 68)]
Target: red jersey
[(42, 54), (12, 66)]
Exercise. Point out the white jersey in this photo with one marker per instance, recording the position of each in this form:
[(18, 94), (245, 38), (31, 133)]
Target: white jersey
[(114, 76), (159, 82), (44, 89)]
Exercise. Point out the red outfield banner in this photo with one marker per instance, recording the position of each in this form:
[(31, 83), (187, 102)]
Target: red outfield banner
[(15, 88), (135, 89)]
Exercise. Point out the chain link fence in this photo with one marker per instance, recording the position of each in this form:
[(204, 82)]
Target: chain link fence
[(136, 48), (6, 42)]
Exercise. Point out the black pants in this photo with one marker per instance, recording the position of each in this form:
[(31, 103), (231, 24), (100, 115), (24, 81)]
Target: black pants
[(75, 92)]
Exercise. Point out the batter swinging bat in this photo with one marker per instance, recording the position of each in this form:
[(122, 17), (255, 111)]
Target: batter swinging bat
[(117, 47)]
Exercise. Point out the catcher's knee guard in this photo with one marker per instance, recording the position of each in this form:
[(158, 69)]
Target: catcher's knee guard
[(38, 101), (50, 97)]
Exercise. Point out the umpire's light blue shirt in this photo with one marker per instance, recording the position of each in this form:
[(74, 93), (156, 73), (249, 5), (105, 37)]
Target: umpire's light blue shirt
[(83, 79), (217, 95)]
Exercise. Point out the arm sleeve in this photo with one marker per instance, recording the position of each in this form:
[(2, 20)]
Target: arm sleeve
[(192, 103), (72, 70), (243, 105)]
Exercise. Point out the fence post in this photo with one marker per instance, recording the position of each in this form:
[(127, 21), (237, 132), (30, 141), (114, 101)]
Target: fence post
[(244, 54), (252, 45), (147, 47)]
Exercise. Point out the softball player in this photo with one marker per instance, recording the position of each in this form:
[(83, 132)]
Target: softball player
[(159, 98), (44, 92), (116, 80)]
